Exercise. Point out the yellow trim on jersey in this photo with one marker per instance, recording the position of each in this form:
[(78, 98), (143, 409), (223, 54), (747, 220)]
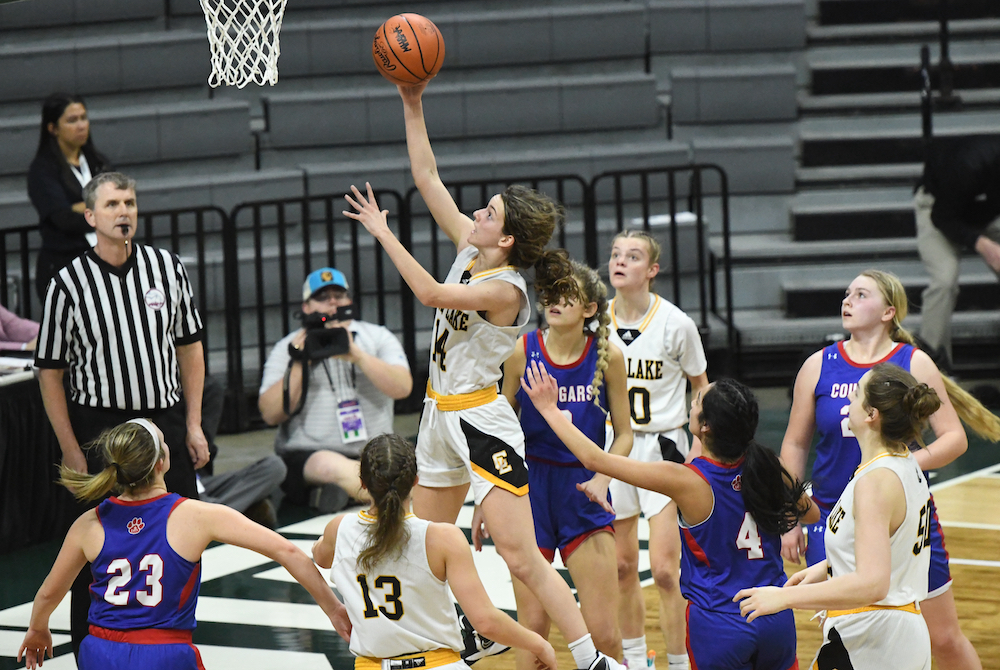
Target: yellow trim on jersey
[(427, 659), (883, 455), (368, 517), (496, 481), (912, 608), (488, 273), (645, 320), (453, 403)]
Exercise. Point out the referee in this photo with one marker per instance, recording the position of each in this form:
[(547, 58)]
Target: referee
[(120, 318)]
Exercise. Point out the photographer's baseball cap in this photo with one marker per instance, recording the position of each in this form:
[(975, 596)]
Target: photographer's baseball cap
[(321, 278)]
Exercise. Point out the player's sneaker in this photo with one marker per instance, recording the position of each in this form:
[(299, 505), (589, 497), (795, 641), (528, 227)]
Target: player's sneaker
[(603, 662), (477, 647)]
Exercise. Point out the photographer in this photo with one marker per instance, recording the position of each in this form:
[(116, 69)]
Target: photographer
[(353, 372)]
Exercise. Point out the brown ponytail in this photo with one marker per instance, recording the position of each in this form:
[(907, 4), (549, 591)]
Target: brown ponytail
[(904, 404), (531, 218), (388, 471)]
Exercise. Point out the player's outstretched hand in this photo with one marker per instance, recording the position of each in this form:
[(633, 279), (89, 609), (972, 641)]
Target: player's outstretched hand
[(597, 491), (759, 601), (342, 624), (540, 386), (371, 217), (34, 647), (411, 94)]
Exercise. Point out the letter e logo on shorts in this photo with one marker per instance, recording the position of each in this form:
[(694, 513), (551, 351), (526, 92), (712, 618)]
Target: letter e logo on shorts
[(500, 462), (155, 299)]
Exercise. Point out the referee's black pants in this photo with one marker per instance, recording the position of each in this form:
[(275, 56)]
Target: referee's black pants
[(88, 423)]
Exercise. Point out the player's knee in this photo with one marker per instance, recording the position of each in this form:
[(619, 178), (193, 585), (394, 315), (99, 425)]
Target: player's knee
[(628, 567), (946, 641), (666, 575)]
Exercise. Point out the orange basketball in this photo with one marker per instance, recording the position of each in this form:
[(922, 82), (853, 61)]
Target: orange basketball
[(408, 49)]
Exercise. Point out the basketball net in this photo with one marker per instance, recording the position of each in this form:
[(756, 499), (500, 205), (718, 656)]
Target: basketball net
[(243, 35)]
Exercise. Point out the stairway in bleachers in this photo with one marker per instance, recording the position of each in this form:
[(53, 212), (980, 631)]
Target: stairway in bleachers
[(859, 157), (528, 87)]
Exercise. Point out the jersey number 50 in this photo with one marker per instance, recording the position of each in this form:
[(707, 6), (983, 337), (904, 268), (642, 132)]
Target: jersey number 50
[(151, 598)]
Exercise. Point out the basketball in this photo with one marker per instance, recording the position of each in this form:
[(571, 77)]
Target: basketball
[(408, 49)]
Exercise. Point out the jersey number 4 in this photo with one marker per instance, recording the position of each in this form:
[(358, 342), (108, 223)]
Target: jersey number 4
[(382, 582), (438, 353), (749, 538), (122, 569)]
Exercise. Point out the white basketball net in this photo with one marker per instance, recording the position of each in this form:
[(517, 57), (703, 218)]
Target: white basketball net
[(244, 39)]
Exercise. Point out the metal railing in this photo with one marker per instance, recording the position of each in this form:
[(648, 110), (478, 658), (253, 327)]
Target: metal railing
[(245, 266)]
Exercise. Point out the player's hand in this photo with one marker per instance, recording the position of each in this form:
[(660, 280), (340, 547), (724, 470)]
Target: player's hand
[(540, 386), (371, 217), (479, 529), (34, 647), (811, 575), (411, 94), (793, 545), (75, 460), (596, 489), (547, 659), (197, 446), (760, 601), (342, 624)]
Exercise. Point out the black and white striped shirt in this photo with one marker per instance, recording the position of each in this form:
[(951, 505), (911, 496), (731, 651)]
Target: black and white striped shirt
[(116, 329)]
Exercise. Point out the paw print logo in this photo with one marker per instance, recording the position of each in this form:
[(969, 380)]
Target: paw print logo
[(738, 482), (135, 525)]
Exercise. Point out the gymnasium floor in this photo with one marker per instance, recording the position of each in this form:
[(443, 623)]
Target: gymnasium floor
[(252, 615)]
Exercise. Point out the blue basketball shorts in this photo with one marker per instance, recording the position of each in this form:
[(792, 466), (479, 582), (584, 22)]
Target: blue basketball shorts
[(766, 643), (939, 577), (564, 516), (815, 538), (100, 654)]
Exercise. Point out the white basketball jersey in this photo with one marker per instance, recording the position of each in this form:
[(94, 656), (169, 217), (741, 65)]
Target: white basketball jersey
[(661, 350), (400, 607), (909, 546), (466, 349)]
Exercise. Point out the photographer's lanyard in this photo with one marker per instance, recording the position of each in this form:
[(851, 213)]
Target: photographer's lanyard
[(349, 416)]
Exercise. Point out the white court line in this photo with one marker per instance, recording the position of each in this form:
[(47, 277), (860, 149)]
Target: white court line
[(969, 524), (967, 477), (973, 561)]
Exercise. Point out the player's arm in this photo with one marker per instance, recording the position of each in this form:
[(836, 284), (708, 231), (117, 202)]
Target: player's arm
[(699, 383), (488, 296), (951, 440), (513, 370), (71, 559), (451, 559), (423, 167), (878, 498), (677, 481), (802, 420), (223, 524), (616, 388), (324, 549)]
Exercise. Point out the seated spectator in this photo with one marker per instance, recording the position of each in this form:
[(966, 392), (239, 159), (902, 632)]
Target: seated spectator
[(329, 399), (17, 334), (64, 162)]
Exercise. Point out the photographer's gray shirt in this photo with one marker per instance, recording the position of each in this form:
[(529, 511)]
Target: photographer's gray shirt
[(316, 426)]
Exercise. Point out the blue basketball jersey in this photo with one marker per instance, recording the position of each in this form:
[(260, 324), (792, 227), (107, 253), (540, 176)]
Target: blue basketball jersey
[(727, 551), (139, 580), (575, 397), (837, 452)]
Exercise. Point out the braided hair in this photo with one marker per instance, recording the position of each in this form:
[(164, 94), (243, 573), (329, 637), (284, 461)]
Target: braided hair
[(388, 471)]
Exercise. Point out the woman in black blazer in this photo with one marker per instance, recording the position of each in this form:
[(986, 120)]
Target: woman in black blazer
[(65, 161)]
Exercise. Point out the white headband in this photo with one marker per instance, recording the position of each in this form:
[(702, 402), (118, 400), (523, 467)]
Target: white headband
[(151, 429)]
